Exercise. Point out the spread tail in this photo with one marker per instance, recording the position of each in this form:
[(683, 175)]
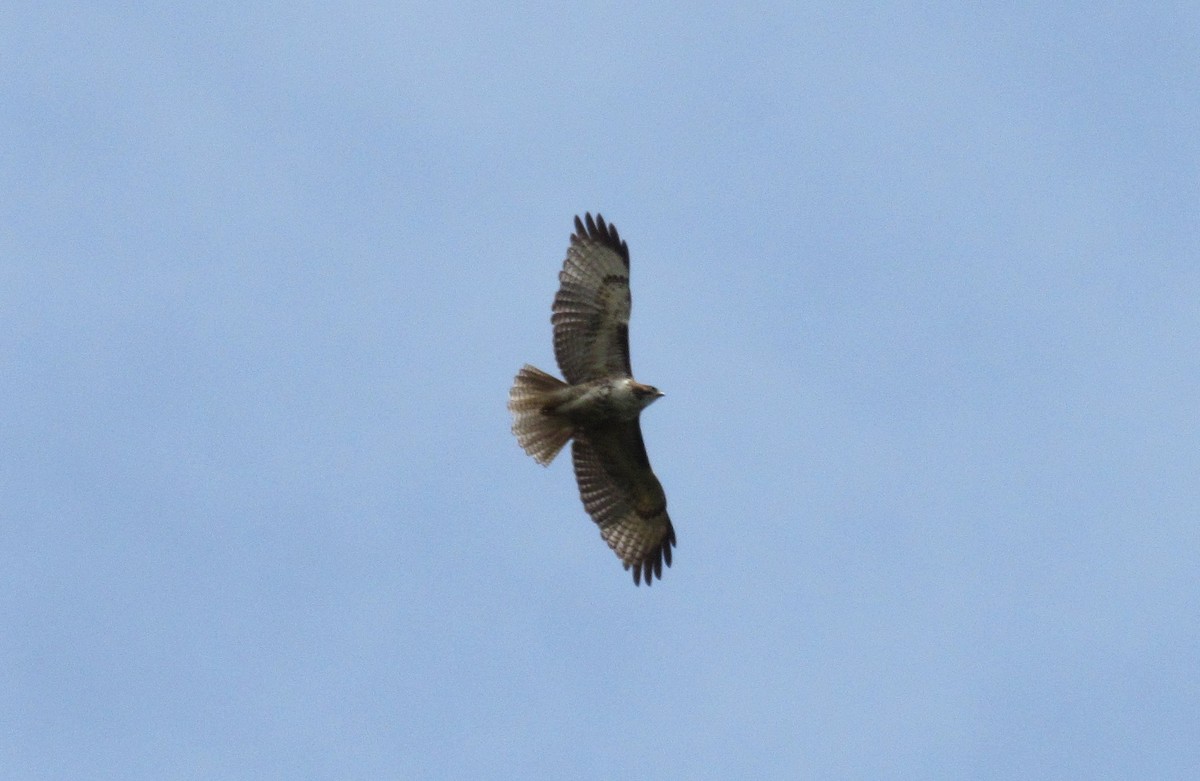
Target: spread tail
[(542, 434)]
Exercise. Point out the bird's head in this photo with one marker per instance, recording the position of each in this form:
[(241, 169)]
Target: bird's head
[(645, 394)]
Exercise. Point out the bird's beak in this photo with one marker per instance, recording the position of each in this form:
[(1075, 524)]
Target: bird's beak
[(658, 394)]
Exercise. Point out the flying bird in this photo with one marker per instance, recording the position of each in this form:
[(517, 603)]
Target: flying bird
[(599, 404)]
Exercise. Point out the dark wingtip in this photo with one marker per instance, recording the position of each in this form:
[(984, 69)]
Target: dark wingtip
[(601, 232), (651, 567)]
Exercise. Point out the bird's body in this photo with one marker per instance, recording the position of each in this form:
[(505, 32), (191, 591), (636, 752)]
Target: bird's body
[(599, 404)]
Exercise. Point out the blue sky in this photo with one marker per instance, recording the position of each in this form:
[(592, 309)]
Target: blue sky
[(920, 283)]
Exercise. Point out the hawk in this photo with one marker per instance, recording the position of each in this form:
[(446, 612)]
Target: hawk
[(599, 404)]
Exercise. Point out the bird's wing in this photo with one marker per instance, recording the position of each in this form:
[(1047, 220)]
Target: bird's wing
[(621, 493), (591, 309)]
